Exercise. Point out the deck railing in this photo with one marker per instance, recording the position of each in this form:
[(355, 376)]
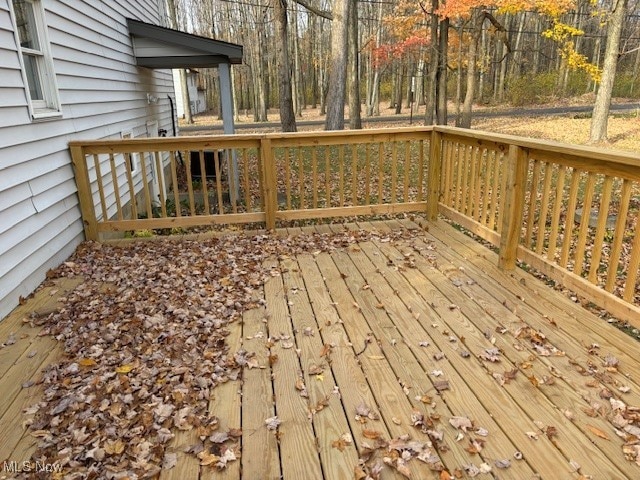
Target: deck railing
[(569, 211)]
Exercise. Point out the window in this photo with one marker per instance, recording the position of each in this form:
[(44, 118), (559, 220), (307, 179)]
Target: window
[(36, 59)]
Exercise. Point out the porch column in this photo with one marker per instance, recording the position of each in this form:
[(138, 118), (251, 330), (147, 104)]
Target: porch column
[(226, 98)]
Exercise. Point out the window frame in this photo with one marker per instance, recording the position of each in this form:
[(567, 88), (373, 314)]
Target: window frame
[(49, 106)]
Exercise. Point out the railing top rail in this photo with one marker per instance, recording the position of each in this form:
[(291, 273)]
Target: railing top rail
[(594, 153)]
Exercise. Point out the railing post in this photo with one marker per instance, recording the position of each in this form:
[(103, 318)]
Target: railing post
[(435, 171), (84, 193), (269, 193), (516, 171)]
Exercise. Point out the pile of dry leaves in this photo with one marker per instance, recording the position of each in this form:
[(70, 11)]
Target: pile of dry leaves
[(144, 341)]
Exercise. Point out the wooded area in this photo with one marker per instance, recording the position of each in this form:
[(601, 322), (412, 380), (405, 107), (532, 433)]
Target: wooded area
[(387, 56)]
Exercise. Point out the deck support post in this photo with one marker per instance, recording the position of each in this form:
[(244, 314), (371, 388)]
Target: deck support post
[(434, 174), (84, 192), (269, 192), (516, 171)]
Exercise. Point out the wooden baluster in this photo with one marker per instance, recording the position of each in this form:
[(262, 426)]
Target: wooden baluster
[(380, 173), (301, 189), (287, 177), (406, 166), (421, 170), (132, 193), (472, 182), (533, 202), (245, 175), (218, 167), (448, 182), (233, 188), (555, 215), (161, 185), (314, 167), (488, 169), (145, 185), (341, 166), (503, 188), (618, 236), (603, 214), (544, 208), (192, 203), (103, 202), (584, 224), (464, 204), (478, 180), (394, 171), (354, 175), (569, 220), (367, 174), (203, 177), (116, 186), (495, 193), (327, 177), (174, 183)]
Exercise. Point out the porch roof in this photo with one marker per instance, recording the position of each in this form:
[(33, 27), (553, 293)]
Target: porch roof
[(160, 47)]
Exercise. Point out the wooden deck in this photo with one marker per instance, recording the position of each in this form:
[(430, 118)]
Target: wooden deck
[(386, 327)]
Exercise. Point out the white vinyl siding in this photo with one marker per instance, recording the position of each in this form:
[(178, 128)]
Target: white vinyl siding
[(102, 93)]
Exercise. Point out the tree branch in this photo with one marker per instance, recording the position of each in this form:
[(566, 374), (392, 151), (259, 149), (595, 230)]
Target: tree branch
[(501, 32), (312, 9)]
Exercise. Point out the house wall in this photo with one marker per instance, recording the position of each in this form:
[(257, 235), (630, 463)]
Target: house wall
[(102, 94), (196, 97)]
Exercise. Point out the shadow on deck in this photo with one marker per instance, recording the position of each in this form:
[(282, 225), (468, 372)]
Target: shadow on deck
[(409, 357)]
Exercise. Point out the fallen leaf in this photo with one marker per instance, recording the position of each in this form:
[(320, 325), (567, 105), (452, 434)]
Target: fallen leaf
[(169, 461), (371, 434), (597, 432), (461, 423), (88, 362), (272, 423), (124, 369)]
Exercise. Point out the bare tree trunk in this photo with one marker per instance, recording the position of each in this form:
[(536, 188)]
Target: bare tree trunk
[(338, 66), (287, 117), (373, 102), (434, 66), (600, 116), (355, 121), (441, 94), (298, 90), (459, 77), (397, 102), (472, 58)]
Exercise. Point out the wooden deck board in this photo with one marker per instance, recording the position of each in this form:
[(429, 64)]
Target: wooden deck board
[(260, 451), (440, 287), (460, 399), (391, 400), (329, 421), (298, 450), (487, 313), (535, 407)]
